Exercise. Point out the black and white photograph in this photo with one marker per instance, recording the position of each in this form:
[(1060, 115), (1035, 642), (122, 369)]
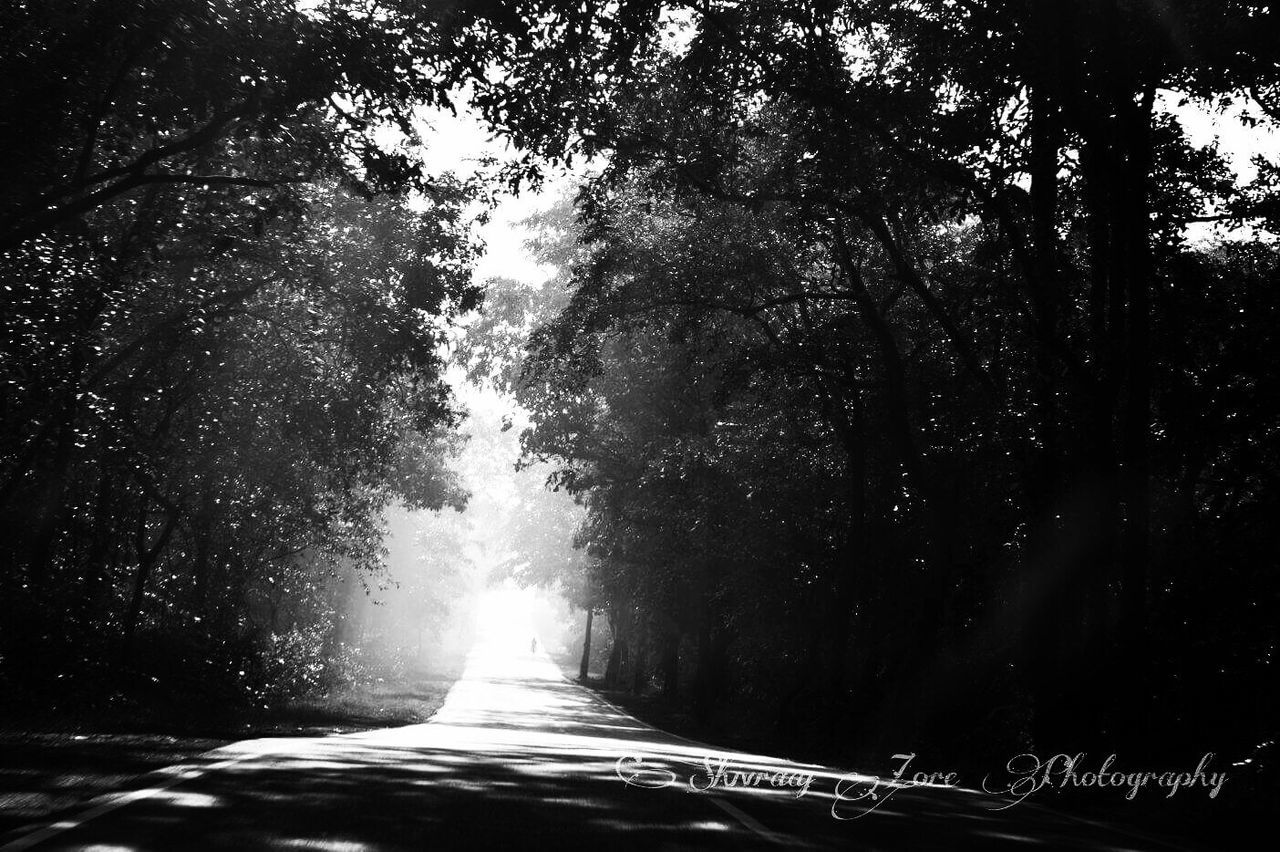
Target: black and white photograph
[(639, 425)]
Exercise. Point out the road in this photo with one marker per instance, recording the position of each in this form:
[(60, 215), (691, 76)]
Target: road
[(520, 758)]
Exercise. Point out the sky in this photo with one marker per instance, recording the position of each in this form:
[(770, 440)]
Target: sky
[(457, 143), (1236, 142)]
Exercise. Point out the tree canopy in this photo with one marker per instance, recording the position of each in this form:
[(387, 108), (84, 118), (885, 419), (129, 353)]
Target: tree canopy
[(898, 388), (895, 301)]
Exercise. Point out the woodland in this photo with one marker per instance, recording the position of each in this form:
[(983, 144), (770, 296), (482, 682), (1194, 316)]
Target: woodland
[(913, 369)]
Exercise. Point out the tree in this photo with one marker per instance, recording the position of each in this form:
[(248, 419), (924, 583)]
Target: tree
[(951, 221)]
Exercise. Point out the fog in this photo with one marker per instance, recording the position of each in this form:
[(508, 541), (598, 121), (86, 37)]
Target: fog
[(502, 570)]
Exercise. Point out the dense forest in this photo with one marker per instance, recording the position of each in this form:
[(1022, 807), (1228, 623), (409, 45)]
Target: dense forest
[(914, 371), (224, 300), (911, 397)]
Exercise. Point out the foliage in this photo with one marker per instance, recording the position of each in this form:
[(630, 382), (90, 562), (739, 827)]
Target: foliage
[(226, 284), (914, 272)]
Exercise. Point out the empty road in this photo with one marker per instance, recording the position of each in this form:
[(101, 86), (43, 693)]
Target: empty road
[(518, 758)]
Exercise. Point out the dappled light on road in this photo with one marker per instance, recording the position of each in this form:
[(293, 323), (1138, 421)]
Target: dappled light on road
[(519, 757)]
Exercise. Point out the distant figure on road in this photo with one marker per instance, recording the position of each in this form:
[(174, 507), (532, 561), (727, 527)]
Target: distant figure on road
[(533, 645)]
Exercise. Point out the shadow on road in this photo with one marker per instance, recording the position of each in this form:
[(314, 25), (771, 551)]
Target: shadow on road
[(519, 758)]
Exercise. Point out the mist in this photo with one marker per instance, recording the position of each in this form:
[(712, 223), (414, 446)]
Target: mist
[(503, 569)]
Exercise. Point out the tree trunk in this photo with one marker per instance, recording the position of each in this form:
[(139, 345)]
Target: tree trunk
[(852, 551), (1050, 565), (584, 666), (671, 666), (147, 557), (95, 569), (617, 653), (1135, 433), (204, 544), (48, 507), (1135, 242), (639, 657)]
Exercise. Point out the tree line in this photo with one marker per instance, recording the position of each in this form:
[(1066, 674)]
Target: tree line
[(227, 276), (905, 403), (903, 407)]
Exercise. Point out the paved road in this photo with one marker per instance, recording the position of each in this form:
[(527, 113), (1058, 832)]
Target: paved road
[(519, 758)]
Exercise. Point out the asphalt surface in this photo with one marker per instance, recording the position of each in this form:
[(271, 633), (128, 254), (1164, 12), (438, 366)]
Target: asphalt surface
[(520, 758)]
